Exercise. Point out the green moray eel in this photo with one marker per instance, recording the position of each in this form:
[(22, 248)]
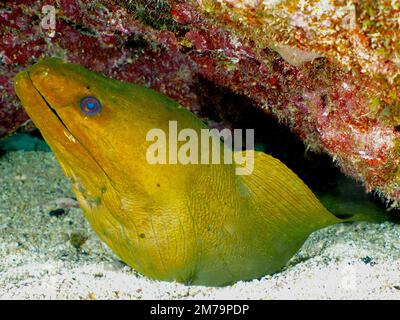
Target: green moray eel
[(198, 224)]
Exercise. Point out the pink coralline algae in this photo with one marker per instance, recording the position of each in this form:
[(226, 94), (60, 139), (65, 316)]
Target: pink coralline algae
[(343, 94), (174, 46)]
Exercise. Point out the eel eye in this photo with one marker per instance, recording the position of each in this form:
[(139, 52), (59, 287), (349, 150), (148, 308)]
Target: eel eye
[(90, 106)]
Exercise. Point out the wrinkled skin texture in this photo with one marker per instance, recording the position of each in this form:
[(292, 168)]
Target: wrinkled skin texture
[(198, 224)]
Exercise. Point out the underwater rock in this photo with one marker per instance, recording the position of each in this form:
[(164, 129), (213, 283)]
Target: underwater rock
[(77, 240), (341, 72), (102, 36), (338, 93)]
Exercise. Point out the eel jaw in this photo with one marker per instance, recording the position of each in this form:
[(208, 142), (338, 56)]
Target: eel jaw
[(49, 105)]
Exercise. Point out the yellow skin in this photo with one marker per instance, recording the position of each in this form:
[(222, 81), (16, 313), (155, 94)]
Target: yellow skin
[(196, 224)]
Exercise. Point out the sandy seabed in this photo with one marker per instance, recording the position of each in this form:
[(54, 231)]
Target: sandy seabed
[(40, 256)]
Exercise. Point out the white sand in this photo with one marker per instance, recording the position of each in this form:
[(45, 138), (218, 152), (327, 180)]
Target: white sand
[(38, 261)]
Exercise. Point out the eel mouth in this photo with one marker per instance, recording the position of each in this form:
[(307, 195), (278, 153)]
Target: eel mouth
[(48, 104)]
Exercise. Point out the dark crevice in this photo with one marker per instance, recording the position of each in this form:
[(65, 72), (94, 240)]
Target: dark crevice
[(80, 27)]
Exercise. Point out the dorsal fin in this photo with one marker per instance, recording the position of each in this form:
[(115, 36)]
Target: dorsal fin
[(279, 191)]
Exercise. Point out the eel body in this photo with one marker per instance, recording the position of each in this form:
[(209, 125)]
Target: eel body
[(197, 224)]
